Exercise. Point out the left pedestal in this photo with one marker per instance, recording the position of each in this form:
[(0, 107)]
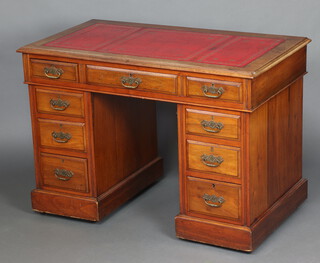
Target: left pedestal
[(93, 152)]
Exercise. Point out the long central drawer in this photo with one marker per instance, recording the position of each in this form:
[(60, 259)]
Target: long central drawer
[(132, 79)]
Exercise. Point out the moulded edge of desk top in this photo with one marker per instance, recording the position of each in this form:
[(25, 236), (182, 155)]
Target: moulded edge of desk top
[(252, 70)]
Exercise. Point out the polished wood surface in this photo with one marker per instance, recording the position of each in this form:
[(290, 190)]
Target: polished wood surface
[(69, 70), (245, 238), (75, 130), (239, 135), (48, 102), (230, 156), (218, 124), (231, 194), (129, 135), (150, 81), (232, 90), (57, 182)]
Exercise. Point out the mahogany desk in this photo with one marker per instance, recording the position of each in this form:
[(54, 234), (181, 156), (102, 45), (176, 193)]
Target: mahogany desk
[(239, 105)]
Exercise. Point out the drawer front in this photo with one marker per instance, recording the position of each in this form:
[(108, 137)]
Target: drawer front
[(60, 102), (214, 90), (64, 173), (213, 158), (214, 124), (213, 198), (132, 79), (54, 70), (60, 134)]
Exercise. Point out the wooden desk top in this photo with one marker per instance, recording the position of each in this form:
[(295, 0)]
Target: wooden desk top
[(175, 48)]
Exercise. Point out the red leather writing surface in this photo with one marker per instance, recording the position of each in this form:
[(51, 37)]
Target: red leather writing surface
[(219, 49)]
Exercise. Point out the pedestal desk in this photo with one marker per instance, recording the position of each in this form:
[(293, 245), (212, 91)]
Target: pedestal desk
[(239, 104)]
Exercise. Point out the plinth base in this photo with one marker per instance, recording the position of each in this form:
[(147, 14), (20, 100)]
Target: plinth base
[(245, 238), (94, 209)]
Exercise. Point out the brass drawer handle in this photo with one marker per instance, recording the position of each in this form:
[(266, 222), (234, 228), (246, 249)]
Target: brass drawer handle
[(52, 72), (62, 174), (213, 200), (215, 127), (211, 160), (59, 104), (130, 82), (61, 137), (216, 92)]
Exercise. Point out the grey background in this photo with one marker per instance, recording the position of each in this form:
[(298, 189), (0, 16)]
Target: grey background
[(142, 230)]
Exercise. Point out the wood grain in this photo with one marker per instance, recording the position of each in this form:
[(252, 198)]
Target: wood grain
[(70, 70), (94, 209), (75, 130), (65, 205), (127, 128), (230, 155), (231, 193), (114, 146), (232, 90), (150, 81), (214, 233), (79, 180), (258, 167), (230, 122), (277, 78), (75, 102), (130, 186), (284, 149), (276, 214)]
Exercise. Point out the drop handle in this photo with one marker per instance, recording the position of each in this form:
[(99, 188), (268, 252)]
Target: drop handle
[(59, 104), (212, 126), (211, 160), (52, 72), (213, 200), (212, 91), (62, 174), (61, 137), (130, 82)]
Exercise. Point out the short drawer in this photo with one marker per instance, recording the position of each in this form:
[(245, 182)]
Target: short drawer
[(213, 198), (212, 123), (213, 158), (214, 90), (61, 134), (59, 102), (54, 70), (64, 173), (132, 79)]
